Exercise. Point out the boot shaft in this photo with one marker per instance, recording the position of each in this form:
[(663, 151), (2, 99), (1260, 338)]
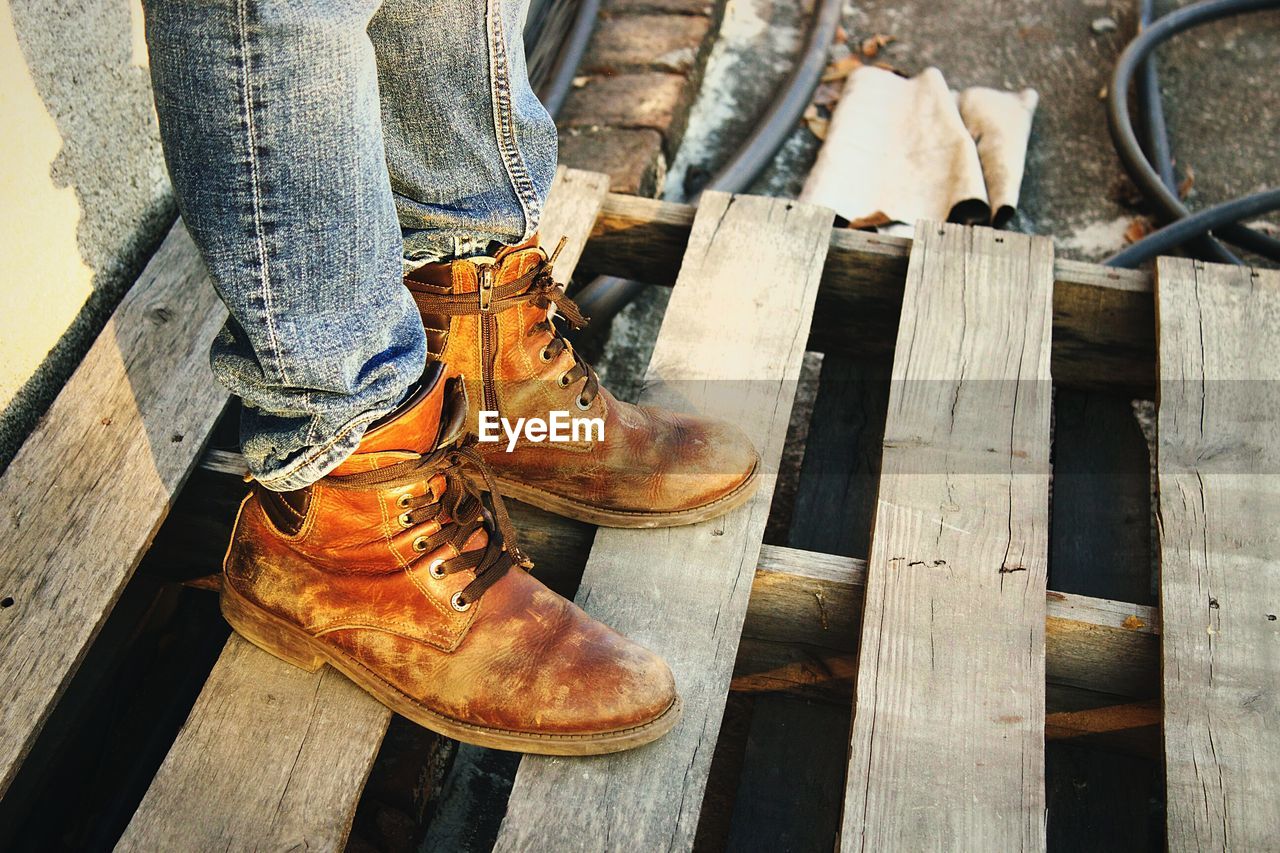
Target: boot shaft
[(366, 531), (497, 332)]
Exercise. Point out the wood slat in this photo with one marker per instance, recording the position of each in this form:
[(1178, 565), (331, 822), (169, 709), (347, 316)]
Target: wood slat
[(811, 604), (731, 346), (89, 488), (274, 757), (948, 733), (1103, 321), (1218, 457), (271, 757)]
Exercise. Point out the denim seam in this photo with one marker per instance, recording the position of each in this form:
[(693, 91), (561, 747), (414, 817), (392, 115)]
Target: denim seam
[(255, 180), (360, 423), (504, 124)]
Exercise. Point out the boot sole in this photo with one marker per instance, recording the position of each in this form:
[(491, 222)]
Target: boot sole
[(592, 514), (294, 646)]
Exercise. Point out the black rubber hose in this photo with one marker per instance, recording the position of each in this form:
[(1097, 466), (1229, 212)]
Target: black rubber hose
[(604, 297), (560, 81), (780, 119), (1182, 231), (1149, 182), (1155, 132)]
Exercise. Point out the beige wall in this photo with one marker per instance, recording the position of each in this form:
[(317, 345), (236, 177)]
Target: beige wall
[(83, 192)]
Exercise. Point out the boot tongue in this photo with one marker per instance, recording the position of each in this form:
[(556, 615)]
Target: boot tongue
[(413, 429)]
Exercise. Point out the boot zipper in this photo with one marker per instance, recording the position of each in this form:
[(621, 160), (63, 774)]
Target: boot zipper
[(488, 332)]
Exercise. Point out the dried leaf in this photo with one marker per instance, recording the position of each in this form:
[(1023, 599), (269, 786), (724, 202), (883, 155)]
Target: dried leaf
[(872, 46), (818, 126), (1138, 228), (1184, 188), (827, 94), (1133, 623), (875, 220), (841, 69), (842, 35)]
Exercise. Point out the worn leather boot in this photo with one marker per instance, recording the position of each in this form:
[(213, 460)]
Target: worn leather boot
[(493, 319), (392, 570)]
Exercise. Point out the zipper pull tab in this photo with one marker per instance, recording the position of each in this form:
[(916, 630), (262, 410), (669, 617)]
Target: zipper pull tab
[(484, 273)]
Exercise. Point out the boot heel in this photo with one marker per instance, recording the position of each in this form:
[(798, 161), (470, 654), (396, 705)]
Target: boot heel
[(267, 632)]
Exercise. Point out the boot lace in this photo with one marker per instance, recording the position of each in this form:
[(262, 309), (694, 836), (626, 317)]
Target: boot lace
[(539, 288), (460, 510)]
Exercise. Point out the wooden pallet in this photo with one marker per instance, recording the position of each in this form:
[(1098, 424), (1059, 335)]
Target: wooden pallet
[(961, 661)]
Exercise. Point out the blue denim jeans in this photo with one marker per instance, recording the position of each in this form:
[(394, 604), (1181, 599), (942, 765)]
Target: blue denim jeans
[(314, 144)]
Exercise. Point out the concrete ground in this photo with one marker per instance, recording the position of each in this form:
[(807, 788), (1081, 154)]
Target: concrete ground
[(1222, 108)]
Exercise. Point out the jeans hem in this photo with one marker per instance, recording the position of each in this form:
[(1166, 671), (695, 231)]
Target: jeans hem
[(320, 461)]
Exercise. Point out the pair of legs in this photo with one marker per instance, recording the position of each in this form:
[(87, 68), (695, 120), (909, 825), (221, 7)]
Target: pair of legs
[(310, 143)]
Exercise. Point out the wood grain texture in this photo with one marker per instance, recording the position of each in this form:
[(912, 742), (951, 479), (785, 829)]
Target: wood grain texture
[(948, 733), (1218, 461), (274, 757), (813, 603), (271, 757), (578, 196), (731, 345), (1103, 320), (88, 490)]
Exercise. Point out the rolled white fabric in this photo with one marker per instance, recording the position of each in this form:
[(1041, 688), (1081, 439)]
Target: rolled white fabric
[(899, 150)]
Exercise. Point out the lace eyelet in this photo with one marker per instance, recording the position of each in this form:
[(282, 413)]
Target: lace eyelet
[(436, 569), (403, 500), (544, 355), (583, 403), (405, 521), (458, 604), (420, 544), (564, 380)]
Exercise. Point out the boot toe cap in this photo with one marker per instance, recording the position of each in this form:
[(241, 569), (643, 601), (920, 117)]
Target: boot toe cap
[(612, 683), (714, 459)]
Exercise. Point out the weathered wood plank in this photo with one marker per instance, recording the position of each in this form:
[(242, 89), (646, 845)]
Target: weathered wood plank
[(578, 196), (1103, 320), (948, 730), (88, 490), (810, 602), (271, 756), (1219, 461), (731, 346)]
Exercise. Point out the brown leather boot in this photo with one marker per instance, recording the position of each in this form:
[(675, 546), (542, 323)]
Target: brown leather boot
[(392, 571), (493, 320)]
